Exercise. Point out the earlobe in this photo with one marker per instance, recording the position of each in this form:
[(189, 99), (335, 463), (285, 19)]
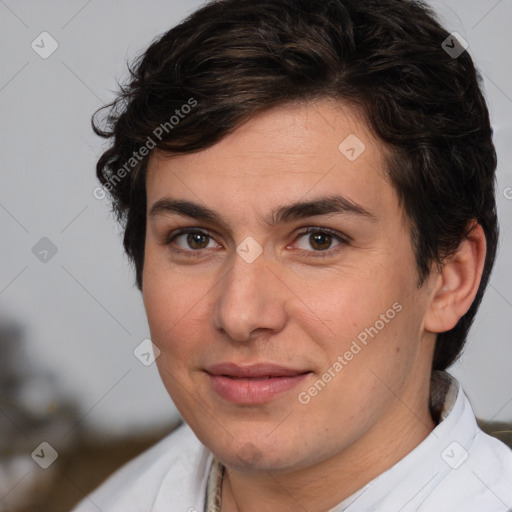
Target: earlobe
[(457, 283)]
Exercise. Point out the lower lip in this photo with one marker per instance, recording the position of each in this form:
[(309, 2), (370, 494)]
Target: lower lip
[(253, 391)]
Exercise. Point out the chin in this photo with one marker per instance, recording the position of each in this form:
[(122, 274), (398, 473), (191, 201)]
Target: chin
[(257, 453)]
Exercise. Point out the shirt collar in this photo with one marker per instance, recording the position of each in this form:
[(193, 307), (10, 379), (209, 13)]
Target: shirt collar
[(444, 390)]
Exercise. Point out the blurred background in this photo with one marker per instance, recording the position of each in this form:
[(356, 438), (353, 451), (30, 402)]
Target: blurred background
[(75, 400)]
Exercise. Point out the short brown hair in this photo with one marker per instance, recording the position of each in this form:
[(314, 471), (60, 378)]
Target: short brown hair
[(234, 58)]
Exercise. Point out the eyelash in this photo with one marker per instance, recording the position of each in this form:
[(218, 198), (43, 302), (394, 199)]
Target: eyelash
[(344, 240)]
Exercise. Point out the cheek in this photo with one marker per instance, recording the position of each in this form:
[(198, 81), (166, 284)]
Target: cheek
[(352, 300), (370, 319), (165, 301), (176, 310), (165, 310)]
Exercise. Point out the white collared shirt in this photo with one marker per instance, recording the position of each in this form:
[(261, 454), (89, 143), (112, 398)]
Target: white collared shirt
[(457, 468)]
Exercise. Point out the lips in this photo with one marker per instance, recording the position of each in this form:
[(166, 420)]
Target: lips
[(253, 371), (253, 384)]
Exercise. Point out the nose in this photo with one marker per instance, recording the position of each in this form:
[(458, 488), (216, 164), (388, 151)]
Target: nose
[(250, 297)]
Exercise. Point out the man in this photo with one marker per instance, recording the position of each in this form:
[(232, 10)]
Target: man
[(307, 191)]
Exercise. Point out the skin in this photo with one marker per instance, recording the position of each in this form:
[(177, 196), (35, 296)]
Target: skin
[(297, 311)]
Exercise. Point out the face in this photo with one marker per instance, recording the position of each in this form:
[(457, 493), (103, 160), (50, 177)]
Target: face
[(280, 287)]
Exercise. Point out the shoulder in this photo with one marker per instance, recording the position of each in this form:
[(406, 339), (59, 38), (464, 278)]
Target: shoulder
[(480, 479), (484, 479), (490, 462), (457, 468), (173, 469)]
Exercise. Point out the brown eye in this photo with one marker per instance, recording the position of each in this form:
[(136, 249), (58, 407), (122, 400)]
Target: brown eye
[(320, 241), (197, 240), (189, 241)]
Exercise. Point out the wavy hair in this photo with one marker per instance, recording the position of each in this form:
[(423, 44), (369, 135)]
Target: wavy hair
[(385, 57)]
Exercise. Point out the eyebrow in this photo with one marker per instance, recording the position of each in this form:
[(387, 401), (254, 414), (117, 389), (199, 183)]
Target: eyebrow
[(301, 210)]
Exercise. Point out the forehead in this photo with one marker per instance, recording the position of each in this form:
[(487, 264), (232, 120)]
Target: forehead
[(293, 151)]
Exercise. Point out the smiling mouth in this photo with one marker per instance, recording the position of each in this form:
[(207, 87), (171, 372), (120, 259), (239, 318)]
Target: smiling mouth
[(268, 377), (253, 384)]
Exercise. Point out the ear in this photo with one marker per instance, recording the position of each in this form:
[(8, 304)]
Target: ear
[(456, 286)]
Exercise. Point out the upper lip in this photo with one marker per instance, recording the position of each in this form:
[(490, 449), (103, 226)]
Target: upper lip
[(253, 370)]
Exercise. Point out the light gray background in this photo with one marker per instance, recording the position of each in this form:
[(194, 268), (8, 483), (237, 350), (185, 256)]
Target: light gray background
[(82, 315)]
